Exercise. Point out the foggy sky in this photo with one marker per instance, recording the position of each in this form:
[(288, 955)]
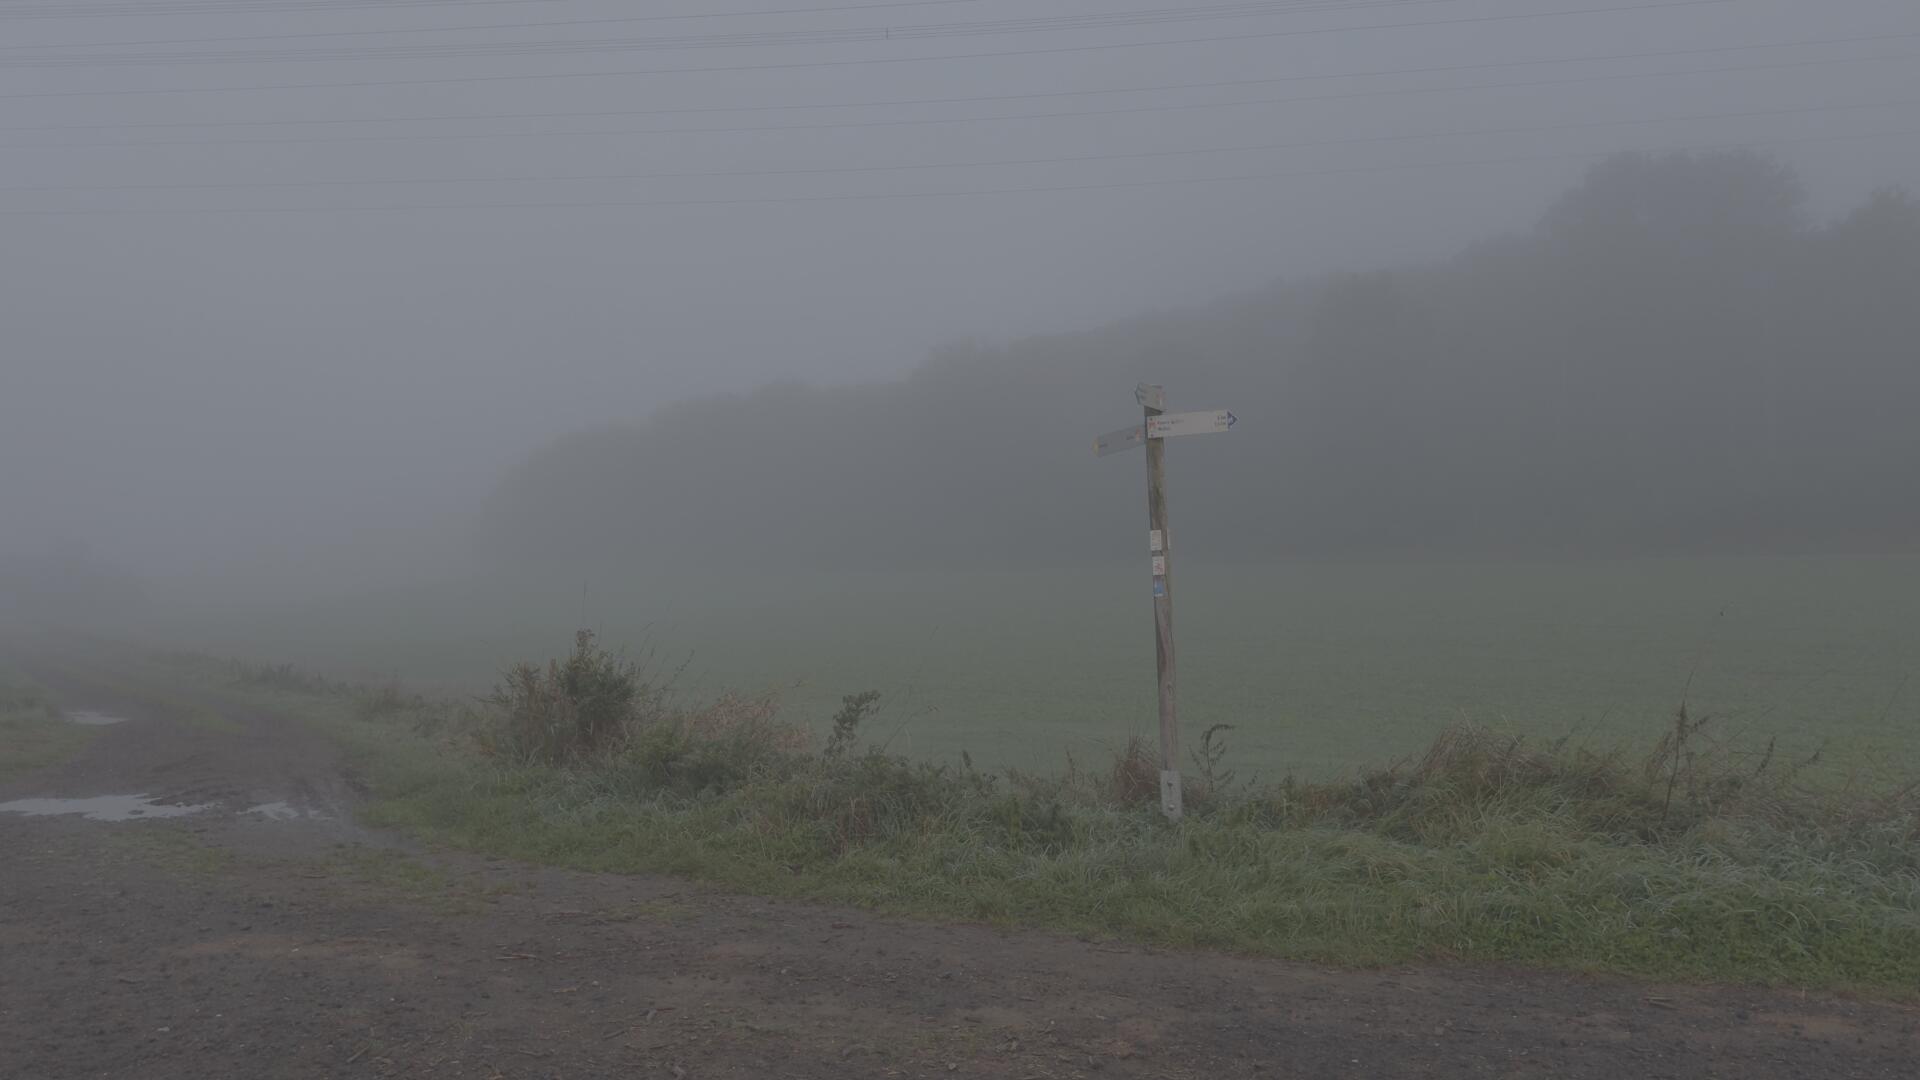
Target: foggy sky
[(191, 391)]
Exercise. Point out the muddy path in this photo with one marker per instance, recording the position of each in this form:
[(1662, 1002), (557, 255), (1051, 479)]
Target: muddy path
[(265, 935)]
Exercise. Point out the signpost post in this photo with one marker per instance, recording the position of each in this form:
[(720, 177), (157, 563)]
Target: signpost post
[(1157, 427)]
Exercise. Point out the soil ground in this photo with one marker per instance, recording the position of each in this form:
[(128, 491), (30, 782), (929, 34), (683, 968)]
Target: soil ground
[(288, 942)]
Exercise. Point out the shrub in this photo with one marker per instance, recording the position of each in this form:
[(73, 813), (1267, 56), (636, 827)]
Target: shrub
[(584, 707)]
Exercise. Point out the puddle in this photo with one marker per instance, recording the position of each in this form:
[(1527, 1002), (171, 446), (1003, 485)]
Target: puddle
[(279, 811), (100, 808), (93, 719)]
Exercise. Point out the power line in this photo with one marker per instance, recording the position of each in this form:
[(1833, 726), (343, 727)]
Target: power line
[(982, 98), (796, 65), (470, 27), (735, 40), (1073, 159), (913, 122), (231, 7), (965, 193), (545, 24)]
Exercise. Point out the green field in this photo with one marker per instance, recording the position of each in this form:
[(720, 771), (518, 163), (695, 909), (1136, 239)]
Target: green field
[(1682, 859), (1321, 668)]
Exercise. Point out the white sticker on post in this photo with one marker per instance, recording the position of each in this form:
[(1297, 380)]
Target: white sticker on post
[(1159, 566), (1156, 541), (1170, 792)]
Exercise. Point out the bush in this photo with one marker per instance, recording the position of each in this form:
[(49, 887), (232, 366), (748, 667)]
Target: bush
[(584, 707)]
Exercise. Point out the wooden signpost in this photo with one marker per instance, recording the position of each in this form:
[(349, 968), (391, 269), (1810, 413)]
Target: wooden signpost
[(1153, 433)]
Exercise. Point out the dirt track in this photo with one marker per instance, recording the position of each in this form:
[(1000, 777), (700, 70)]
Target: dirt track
[(290, 943)]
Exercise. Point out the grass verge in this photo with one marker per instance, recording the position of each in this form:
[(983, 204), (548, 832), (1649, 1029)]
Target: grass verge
[(33, 734), (1694, 860)]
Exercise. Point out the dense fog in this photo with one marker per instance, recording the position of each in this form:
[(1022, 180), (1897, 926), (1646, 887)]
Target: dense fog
[(1677, 358), (322, 295)]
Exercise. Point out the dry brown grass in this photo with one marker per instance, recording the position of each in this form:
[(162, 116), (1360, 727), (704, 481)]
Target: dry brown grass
[(1134, 779), (738, 717)]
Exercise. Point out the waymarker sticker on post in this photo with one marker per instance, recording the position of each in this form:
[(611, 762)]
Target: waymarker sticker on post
[(1156, 541), (1159, 566)]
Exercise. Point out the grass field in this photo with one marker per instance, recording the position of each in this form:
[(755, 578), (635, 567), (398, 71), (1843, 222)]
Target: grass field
[(1321, 668)]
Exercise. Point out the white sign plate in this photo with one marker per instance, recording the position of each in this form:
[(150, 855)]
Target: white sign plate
[(1151, 396), (1115, 441), (1173, 425), (1156, 541)]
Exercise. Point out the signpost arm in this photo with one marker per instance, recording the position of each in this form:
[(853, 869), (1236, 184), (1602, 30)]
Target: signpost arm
[(1170, 802)]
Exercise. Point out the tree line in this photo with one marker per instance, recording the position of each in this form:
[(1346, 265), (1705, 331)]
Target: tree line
[(1676, 358)]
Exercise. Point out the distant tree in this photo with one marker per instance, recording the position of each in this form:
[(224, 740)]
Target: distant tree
[(1735, 197)]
